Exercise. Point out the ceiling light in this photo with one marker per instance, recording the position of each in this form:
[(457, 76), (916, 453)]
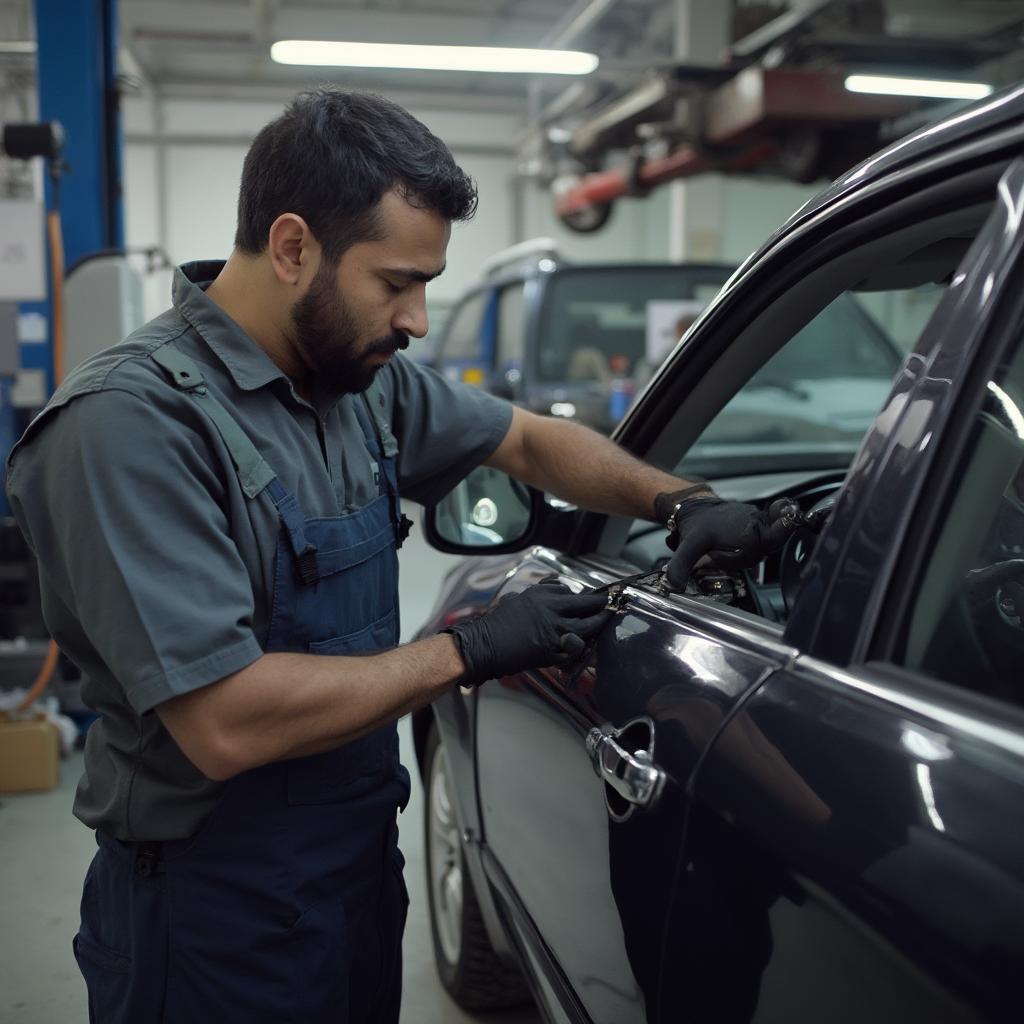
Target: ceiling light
[(888, 85), (14, 46), (432, 58)]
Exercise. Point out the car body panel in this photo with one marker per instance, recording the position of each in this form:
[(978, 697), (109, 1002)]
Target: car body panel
[(599, 889), (859, 831)]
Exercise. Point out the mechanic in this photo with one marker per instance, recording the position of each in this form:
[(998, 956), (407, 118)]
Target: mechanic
[(214, 505)]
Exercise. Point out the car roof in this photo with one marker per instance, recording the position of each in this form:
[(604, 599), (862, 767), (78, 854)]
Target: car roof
[(521, 271)]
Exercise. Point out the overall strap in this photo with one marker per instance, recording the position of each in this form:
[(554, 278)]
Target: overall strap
[(254, 474), (381, 442)]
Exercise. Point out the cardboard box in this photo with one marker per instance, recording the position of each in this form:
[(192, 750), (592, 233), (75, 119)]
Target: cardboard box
[(29, 755)]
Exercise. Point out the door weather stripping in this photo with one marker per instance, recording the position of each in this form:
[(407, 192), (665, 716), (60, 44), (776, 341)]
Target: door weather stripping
[(631, 774)]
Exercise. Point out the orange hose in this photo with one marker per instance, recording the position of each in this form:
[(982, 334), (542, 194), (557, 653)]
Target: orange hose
[(42, 680), (57, 276)]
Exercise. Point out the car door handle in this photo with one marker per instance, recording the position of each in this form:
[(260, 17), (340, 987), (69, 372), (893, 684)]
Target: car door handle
[(634, 776)]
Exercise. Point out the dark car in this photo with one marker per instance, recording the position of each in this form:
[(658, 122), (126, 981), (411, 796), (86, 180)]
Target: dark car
[(577, 340), (795, 793)]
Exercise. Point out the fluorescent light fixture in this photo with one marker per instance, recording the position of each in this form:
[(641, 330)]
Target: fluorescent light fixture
[(322, 52), (889, 85), (13, 46)]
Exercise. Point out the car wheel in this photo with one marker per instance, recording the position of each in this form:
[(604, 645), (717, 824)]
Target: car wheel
[(471, 972)]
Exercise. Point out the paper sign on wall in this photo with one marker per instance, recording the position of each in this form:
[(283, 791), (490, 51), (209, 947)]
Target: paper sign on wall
[(667, 322), (22, 251)]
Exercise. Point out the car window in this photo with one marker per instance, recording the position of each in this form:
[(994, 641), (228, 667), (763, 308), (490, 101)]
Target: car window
[(511, 340), (966, 624), (601, 324), (464, 338), (811, 403)]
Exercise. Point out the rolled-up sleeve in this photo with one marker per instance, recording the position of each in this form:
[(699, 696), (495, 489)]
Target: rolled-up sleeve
[(444, 429), (124, 508)]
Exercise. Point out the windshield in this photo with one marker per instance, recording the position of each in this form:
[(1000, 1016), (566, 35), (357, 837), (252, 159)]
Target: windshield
[(599, 324)]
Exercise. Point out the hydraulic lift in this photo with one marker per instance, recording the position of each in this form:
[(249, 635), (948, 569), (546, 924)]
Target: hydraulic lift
[(777, 105)]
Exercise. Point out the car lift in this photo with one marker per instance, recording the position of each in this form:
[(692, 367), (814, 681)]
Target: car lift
[(778, 105)]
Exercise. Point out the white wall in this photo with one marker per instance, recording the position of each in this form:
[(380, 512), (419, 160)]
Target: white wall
[(183, 162)]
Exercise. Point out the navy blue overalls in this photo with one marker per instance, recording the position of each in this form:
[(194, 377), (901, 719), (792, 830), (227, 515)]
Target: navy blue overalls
[(289, 904)]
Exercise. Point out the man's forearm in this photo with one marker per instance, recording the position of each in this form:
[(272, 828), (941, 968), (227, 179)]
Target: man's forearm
[(583, 467), (291, 705)]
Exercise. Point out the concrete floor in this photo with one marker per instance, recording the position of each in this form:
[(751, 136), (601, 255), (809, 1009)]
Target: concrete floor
[(44, 852)]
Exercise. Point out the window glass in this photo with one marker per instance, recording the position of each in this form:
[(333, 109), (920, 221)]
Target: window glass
[(600, 324), (511, 341), (464, 338), (967, 623), (809, 406)]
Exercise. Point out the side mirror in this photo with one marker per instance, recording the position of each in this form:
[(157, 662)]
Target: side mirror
[(488, 513), (506, 385)]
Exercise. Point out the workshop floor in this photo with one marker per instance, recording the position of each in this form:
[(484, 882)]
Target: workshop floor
[(44, 852)]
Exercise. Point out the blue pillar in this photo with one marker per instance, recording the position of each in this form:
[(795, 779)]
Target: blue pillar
[(77, 74)]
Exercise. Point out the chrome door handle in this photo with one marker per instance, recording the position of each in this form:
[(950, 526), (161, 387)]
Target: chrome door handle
[(634, 776)]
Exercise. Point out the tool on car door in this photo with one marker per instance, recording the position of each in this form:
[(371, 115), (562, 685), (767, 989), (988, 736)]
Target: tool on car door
[(617, 588), (615, 591)]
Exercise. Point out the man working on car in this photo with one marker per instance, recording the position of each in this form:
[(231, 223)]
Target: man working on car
[(214, 506)]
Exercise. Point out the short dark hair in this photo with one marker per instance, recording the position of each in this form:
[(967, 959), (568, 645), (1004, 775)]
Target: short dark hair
[(331, 157)]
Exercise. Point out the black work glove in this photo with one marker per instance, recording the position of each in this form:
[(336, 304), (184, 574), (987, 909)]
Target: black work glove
[(546, 624), (733, 534)]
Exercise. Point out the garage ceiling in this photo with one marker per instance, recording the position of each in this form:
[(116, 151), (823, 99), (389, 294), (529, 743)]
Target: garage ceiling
[(217, 48), (222, 46)]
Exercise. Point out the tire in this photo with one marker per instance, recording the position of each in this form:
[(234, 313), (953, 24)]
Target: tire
[(588, 220), (470, 971)]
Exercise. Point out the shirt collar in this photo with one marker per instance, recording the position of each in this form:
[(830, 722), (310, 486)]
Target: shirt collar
[(249, 366)]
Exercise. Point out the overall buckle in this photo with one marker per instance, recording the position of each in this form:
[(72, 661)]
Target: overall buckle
[(308, 570)]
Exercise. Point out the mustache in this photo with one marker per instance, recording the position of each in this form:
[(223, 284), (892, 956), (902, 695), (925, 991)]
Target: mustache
[(386, 346)]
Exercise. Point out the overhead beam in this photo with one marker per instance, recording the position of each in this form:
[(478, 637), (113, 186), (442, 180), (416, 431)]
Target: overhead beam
[(583, 15), (214, 89), (255, 22)]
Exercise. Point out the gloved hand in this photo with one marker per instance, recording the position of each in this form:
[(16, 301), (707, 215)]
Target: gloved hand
[(546, 624), (733, 534)]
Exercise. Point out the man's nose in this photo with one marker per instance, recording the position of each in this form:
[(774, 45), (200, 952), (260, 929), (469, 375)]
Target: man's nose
[(412, 318)]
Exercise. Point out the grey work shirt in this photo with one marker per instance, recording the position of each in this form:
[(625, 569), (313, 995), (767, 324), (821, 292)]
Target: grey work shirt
[(156, 570)]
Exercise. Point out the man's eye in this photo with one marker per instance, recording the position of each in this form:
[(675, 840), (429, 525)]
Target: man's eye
[(395, 289)]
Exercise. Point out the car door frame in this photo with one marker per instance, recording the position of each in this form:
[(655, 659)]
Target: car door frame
[(962, 750)]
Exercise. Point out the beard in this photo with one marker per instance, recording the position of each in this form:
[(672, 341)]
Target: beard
[(327, 336)]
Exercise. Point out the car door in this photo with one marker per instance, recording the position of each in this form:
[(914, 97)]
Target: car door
[(582, 782), (600, 894), (856, 832), (467, 348)]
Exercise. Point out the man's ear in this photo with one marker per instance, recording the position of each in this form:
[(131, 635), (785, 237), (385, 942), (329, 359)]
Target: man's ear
[(294, 252)]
